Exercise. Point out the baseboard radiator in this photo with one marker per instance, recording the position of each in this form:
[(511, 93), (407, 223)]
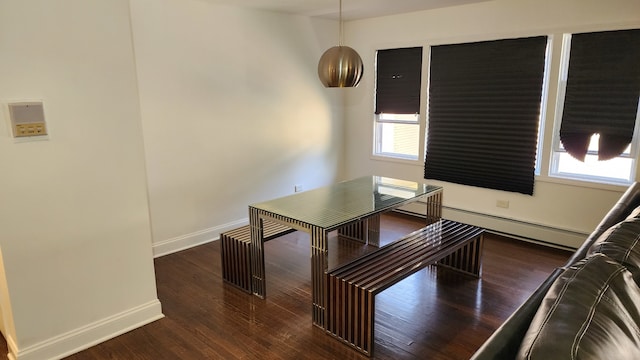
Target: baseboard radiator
[(519, 229)]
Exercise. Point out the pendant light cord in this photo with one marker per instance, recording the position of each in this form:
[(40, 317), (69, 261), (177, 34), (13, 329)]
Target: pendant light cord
[(340, 19)]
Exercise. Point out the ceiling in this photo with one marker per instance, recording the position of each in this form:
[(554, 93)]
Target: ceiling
[(351, 9)]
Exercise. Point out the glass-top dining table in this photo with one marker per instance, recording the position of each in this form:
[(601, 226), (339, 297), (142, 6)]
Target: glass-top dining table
[(352, 207)]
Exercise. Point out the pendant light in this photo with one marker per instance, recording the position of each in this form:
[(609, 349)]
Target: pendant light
[(340, 66)]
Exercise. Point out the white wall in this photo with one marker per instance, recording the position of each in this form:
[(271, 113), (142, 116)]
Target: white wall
[(569, 207), (76, 242), (233, 113)]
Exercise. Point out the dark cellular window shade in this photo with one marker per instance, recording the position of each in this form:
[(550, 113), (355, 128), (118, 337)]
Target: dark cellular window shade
[(603, 84), (484, 111), (398, 74)]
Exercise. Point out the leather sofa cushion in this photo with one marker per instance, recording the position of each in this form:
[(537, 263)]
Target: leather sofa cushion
[(634, 214), (591, 311), (621, 242)]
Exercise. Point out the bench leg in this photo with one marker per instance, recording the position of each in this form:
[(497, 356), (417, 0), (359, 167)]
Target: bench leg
[(467, 259), (235, 262), (351, 314)]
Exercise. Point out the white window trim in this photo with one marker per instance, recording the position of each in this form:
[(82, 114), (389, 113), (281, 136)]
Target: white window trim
[(544, 100)]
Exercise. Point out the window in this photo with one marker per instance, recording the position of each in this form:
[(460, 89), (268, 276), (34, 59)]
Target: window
[(484, 113), (597, 138), (397, 119), (398, 135)]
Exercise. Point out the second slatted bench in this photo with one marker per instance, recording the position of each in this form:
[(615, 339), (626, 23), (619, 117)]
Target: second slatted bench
[(235, 252), (351, 288)]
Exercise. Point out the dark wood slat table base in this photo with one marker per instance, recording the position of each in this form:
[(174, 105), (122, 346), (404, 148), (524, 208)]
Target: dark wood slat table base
[(351, 288), (235, 252), (366, 231)]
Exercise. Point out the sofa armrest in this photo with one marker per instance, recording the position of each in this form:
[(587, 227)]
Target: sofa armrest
[(622, 208), (505, 342)]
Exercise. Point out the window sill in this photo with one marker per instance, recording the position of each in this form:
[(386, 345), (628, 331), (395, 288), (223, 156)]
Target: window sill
[(397, 160), (581, 183)]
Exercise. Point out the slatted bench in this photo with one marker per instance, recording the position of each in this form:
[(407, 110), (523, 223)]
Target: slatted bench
[(351, 288), (236, 255)]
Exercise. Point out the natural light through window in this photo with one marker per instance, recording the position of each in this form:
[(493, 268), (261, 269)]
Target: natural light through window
[(397, 135), (616, 170)]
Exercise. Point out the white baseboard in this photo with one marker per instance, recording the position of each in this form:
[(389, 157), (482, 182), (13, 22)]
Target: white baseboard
[(11, 345), (524, 230), (92, 334), (187, 241)]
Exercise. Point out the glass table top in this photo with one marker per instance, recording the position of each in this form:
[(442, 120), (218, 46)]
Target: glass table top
[(330, 206)]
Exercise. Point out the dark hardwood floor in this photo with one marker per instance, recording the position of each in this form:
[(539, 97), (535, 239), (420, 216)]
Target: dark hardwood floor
[(434, 314)]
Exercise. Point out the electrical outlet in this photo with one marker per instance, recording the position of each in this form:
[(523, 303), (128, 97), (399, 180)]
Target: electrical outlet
[(502, 204), (297, 188)]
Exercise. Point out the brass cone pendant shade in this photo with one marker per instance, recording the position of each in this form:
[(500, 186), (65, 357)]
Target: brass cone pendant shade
[(340, 66)]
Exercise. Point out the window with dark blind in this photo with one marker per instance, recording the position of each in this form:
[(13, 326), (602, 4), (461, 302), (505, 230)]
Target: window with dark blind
[(603, 84), (597, 111), (484, 113), (397, 120)]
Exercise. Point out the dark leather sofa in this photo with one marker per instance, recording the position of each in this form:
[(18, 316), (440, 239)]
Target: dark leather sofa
[(590, 307)]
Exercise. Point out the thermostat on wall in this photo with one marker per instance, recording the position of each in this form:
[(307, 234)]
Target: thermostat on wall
[(27, 119)]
